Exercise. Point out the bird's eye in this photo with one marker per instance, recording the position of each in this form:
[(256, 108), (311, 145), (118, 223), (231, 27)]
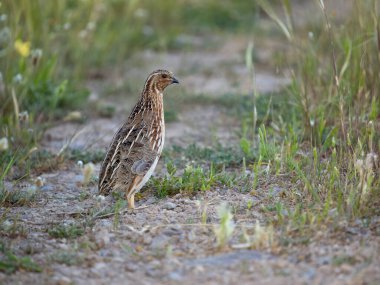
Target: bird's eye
[(164, 76)]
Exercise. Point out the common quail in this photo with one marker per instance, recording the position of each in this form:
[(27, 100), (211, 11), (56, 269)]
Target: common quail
[(136, 147)]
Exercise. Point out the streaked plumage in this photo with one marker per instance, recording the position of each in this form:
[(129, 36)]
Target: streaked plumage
[(136, 147)]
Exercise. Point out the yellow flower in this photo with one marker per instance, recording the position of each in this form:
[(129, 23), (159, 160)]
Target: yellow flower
[(23, 48)]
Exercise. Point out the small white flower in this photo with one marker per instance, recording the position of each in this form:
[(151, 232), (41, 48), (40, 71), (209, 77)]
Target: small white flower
[(32, 190), (88, 171), (140, 13), (90, 26), (148, 31), (17, 78), (80, 163), (100, 198), (73, 116), (7, 224), (39, 182), (83, 34), (311, 35), (371, 161), (4, 145), (36, 53), (66, 26), (23, 117), (312, 122)]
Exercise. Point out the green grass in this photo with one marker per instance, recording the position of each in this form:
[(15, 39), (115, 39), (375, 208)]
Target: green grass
[(66, 231), (10, 263), (331, 145), (217, 155), (17, 198), (193, 179), (69, 258)]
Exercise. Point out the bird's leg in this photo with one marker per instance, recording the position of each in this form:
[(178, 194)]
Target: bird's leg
[(131, 201)]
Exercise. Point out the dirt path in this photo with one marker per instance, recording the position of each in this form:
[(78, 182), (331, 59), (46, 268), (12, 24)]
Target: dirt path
[(167, 243)]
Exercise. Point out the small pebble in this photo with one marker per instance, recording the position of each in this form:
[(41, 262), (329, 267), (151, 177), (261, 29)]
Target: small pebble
[(169, 206), (62, 280)]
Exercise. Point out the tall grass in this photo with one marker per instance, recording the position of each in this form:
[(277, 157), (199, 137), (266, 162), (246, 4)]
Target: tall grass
[(333, 149)]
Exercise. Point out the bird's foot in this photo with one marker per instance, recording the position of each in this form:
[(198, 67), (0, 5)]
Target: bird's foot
[(141, 207), (134, 210)]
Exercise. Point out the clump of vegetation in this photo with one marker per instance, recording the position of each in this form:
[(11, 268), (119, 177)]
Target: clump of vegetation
[(217, 155), (192, 180), (11, 228), (332, 145), (69, 258), (70, 231), (224, 230), (9, 262), (17, 198)]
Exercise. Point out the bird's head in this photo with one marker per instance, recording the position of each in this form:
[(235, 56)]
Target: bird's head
[(158, 80)]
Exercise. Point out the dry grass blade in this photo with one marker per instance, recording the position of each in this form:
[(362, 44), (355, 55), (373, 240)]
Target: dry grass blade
[(266, 6)]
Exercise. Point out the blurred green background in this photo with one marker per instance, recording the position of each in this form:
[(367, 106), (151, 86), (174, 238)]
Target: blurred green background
[(44, 43)]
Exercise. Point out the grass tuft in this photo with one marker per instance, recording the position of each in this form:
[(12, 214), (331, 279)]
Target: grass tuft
[(66, 231), (10, 263)]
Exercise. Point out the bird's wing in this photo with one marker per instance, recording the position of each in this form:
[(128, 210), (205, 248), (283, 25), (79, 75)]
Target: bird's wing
[(130, 154)]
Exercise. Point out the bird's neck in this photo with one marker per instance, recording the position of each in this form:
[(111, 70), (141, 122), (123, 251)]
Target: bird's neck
[(152, 99)]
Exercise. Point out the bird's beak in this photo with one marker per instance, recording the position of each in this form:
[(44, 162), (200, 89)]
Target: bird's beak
[(174, 80)]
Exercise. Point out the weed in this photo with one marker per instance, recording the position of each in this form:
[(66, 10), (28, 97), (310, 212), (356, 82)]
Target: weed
[(17, 198), (224, 230), (84, 195), (192, 180), (71, 231), (344, 259), (69, 258), (329, 139), (87, 172), (12, 227), (263, 236), (118, 206), (9, 262), (267, 150), (218, 155)]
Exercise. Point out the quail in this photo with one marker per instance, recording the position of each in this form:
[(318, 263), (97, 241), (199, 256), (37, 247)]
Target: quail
[(136, 147)]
